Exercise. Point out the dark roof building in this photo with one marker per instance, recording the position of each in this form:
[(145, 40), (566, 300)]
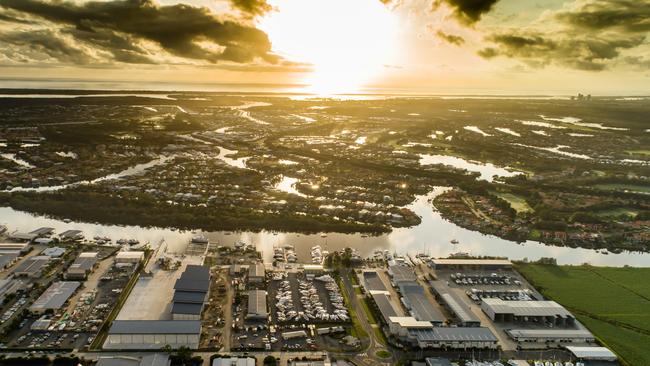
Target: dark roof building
[(419, 305), (454, 337), (191, 291), (372, 282), (401, 274)]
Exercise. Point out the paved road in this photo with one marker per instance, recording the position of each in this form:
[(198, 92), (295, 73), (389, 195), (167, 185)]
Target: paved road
[(367, 356)]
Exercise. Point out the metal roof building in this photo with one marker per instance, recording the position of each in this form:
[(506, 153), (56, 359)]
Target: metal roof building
[(71, 235), (419, 305), (157, 359), (556, 335), (233, 361), (402, 274), (523, 311), (82, 266), (153, 334), (372, 282), (13, 247), (455, 305), (53, 252), (32, 267), (384, 305), (55, 296), (256, 272), (191, 291), (454, 337), (451, 263), (592, 353), (257, 305), (7, 258)]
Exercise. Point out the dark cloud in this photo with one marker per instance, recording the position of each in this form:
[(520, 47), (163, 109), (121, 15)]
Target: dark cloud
[(252, 7), (450, 38), (12, 19), (178, 29), (588, 52), (638, 61), (468, 11), (597, 15), (42, 44)]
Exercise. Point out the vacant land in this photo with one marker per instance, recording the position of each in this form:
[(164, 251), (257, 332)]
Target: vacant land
[(517, 203), (614, 303)]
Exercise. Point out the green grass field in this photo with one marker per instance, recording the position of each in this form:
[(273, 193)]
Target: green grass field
[(623, 187), (614, 303), (517, 203)]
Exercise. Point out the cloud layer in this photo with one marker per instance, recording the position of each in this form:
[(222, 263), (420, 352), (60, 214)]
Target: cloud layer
[(120, 28), (587, 35)]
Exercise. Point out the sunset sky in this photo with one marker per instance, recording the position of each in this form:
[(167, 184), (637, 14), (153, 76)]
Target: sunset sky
[(334, 46)]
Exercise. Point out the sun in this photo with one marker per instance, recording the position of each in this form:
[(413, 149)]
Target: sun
[(347, 42)]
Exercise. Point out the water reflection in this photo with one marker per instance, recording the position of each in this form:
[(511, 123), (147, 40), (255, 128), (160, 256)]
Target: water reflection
[(487, 170), (432, 236)]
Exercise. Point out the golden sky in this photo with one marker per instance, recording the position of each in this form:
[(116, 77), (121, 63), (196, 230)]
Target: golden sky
[(335, 46)]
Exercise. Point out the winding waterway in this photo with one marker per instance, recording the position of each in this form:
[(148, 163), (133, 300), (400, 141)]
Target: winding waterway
[(432, 236)]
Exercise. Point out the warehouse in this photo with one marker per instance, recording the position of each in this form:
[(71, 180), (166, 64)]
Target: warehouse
[(22, 248), (400, 274), (256, 273), (549, 312), (71, 235), (82, 266), (233, 361), (592, 353), (419, 305), (385, 306), (372, 282), (7, 258), (257, 305), (153, 334), (8, 287), (400, 326), (55, 296), (190, 293), (129, 257), (548, 337), (462, 314), (454, 337), (53, 252), (156, 359), (473, 264), (32, 267)]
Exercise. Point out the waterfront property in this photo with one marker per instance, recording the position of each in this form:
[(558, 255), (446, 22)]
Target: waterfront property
[(190, 293)]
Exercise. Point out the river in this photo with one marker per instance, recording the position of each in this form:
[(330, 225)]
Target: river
[(432, 236)]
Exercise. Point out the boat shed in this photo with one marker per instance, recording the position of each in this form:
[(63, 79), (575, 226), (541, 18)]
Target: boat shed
[(55, 296), (419, 305), (153, 334), (592, 353), (190, 293), (480, 264), (82, 266), (257, 305)]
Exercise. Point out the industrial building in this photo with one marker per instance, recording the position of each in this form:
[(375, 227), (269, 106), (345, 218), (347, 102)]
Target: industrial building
[(256, 273), (129, 257), (55, 296), (32, 267), (8, 287), (7, 258), (549, 312), (82, 266), (233, 361), (30, 236), (190, 293), (21, 248), (385, 306), (462, 314), (551, 337), (454, 338), (71, 235), (400, 326), (592, 353), (400, 274), (53, 252), (420, 307), (257, 305), (372, 282), (471, 264), (156, 359), (153, 334)]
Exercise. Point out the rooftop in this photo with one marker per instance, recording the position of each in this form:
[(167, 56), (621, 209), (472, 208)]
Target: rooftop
[(384, 304), (256, 270), (402, 273), (256, 302), (187, 308), (526, 308), (550, 333), (410, 322), (372, 282), (593, 353), (55, 296), (472, 262), (155, 327), (421, 307), (458, 334)]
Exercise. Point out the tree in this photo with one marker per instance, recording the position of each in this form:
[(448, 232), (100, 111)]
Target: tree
[(270, 361)]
